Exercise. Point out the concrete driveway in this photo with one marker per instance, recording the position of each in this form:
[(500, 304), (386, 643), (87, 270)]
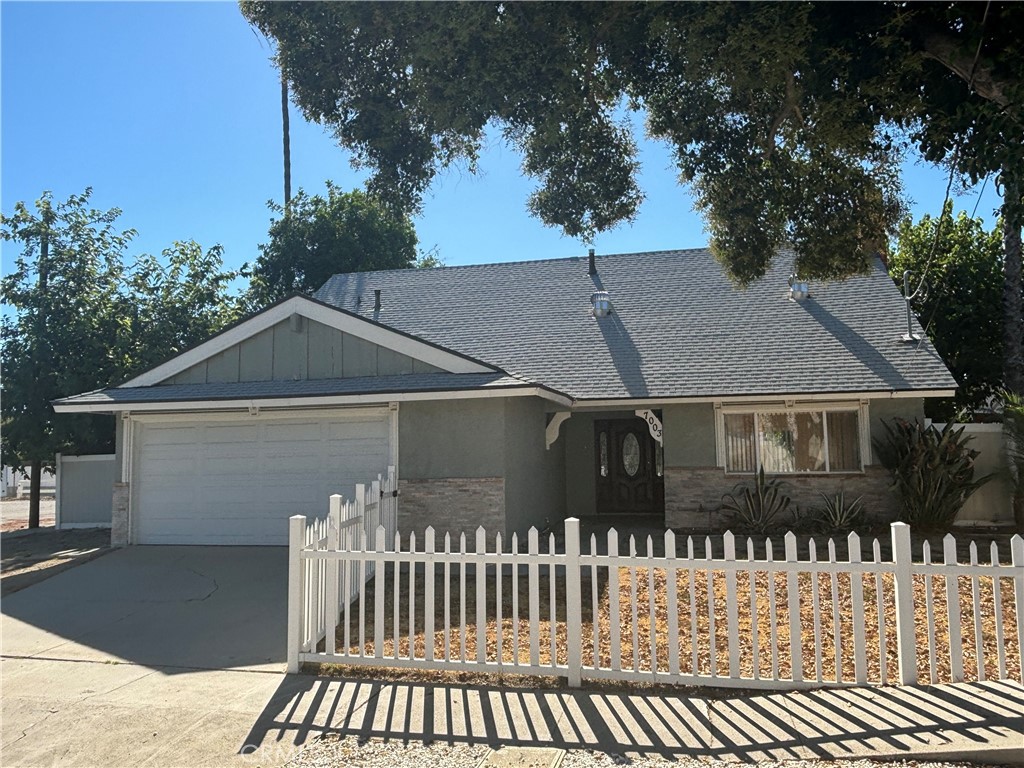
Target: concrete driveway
[(149, 655)]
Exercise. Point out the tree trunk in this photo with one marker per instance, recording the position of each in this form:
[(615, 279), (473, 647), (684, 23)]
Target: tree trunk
[(1013, 312), (36, 467), (287, 143)]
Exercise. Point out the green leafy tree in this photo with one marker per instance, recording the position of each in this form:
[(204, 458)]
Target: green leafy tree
[(59, 329), (961, 303), (787, 120), (76, 319), (317, 237), (173, 303)]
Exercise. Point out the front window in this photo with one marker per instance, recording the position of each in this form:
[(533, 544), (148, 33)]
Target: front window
[(792, 441)]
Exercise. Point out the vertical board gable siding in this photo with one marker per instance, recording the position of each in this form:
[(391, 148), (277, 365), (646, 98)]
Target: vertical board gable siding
[(317, 351), (224, 367)]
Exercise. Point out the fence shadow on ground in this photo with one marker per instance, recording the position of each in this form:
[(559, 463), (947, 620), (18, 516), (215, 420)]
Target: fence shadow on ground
[(907, 721)]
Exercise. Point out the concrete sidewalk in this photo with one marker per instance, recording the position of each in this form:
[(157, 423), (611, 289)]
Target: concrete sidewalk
[(981, 723)]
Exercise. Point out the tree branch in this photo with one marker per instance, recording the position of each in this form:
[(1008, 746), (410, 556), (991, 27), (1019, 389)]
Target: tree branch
[(791, 106), (948, 51)]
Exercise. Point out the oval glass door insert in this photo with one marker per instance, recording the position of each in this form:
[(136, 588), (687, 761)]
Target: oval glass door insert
[(631, 454)]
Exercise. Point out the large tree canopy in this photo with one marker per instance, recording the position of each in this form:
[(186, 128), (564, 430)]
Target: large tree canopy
[(316, 237), (77, 318), (783, 117)]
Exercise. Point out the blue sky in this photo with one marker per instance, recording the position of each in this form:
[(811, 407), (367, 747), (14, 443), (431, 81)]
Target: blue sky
[(171, 112)]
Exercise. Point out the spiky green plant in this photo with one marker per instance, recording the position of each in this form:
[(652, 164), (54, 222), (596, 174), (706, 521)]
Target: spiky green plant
[(838, 513), (756, 508), (932, 470)]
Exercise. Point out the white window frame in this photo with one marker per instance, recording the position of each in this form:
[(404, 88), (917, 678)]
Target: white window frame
[(793, 406)]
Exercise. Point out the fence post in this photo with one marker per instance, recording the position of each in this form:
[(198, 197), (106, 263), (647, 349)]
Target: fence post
[(378, 593), (573, 603), (296, 534), (903, 583), (956, 645), (795, 625), (332, 574), (360, 511), (378, 519)]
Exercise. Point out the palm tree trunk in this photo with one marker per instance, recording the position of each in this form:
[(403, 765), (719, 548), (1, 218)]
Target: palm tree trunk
[(1013, 313), (1013, 361), (287, 143)]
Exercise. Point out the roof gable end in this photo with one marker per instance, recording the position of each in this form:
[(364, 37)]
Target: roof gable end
[(360, 332)]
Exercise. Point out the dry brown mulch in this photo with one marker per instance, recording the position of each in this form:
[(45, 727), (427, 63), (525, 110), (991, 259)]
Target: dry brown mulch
[(644, 634)]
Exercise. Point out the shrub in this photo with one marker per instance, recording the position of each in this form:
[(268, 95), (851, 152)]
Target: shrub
[(756, 508), (932, 470), (838, 513)]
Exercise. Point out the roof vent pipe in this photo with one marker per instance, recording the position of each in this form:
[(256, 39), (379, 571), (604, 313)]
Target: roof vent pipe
[(593, 265), (798, 289), (376, 299), (602, 303)]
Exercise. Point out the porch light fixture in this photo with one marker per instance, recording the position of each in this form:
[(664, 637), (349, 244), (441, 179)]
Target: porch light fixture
[(602, 303), (798, 289)]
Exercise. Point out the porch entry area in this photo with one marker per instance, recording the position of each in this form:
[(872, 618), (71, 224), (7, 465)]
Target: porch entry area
[(629, 466)]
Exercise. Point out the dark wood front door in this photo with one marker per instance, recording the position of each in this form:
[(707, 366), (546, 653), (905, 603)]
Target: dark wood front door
[(629, 468)]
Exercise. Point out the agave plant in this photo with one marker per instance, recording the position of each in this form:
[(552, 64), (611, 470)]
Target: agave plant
[(756, 508), (838, 513), (932, 470)]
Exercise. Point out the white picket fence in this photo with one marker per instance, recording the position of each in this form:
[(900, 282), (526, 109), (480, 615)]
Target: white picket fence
[(680, 617), (315, 585)]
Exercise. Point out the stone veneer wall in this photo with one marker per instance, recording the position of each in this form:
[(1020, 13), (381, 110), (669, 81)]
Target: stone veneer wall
[(119, 516), (694, 494), (452, 505)]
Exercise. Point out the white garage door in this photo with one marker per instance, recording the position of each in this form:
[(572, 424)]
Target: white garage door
[(238, 481)]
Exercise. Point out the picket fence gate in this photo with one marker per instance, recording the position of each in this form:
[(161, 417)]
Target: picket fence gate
[(676, 617), (321, 583)]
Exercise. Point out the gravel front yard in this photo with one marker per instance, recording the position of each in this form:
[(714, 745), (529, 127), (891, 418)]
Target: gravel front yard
[(708, 595)]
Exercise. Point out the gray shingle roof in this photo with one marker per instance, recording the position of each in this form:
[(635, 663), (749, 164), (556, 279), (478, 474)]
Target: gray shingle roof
[(679, 327), (415, 382)]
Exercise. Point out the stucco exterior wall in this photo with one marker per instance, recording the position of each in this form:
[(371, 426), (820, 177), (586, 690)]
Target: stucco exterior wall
[(881, 410), (689, 435), (466, 463), (534, 476), (451, 438)]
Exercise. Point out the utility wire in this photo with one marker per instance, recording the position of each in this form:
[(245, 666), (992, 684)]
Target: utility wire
[(949, 186), (978, 201)]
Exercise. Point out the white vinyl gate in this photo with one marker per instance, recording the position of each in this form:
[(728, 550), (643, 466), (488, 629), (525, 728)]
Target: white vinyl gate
[(676, 617)]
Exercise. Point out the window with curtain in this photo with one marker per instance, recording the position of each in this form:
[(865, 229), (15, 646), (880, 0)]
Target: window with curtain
[(792, 441)]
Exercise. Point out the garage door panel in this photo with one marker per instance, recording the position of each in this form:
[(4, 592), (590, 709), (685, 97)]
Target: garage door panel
[(358, 430), (176, 435), (231, 433), (227, 482)]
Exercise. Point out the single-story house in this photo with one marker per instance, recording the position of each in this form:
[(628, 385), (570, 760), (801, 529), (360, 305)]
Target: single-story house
[(511, 395)]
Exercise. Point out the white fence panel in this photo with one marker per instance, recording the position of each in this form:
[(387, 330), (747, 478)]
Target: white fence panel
[(693, 619)]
